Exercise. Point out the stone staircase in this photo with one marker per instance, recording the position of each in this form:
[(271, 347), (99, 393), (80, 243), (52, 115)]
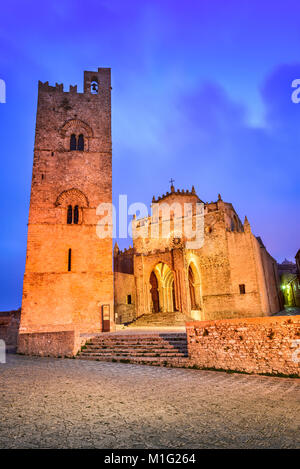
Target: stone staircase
[(162, 319), (161, 349)]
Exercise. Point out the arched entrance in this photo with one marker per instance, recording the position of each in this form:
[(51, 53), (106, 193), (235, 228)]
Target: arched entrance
[(173, 297), (195, 292), (162, 289), (192, 289), (154, 292)]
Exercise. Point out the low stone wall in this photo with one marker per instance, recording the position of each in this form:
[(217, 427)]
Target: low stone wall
[(251, 345), (52, 344), (9, 326)]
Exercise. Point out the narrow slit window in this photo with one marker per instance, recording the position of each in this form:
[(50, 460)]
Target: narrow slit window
[(80, 143), (76, 214), (129, 299), (242, 289), (73, 142), (69, 215), (69, 260)]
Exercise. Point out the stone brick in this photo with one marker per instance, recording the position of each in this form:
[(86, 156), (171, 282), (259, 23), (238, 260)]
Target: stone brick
[(252, 345), (54, 298)]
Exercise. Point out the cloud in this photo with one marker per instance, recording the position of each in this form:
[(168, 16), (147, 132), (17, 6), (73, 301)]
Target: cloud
[(203, 137)]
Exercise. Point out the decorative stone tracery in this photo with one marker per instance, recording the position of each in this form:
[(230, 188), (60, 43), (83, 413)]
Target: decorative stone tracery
[(72, 202), (72, 197), (76, 127)]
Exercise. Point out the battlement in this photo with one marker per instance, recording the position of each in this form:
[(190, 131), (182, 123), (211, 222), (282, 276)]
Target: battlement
[(93, 83), (126, 251), (176, 192)]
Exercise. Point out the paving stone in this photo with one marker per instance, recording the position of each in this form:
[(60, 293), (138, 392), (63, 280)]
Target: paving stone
[(65, 403)]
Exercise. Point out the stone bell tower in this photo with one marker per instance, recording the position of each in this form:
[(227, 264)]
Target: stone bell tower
[(68, 280)]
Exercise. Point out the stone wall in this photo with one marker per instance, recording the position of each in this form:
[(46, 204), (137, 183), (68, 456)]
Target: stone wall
[(9, 326), (251, 345), (68, 275), (124, 286), (52, 344)]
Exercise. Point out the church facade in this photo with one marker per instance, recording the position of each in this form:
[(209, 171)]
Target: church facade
[(229, 275), (69, 280)]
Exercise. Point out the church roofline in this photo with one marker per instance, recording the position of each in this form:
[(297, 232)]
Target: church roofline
[(176, 192)]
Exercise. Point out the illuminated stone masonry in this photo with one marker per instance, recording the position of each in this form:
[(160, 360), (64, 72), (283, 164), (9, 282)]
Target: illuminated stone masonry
[(214, 269), (230, 274), (68, 276)]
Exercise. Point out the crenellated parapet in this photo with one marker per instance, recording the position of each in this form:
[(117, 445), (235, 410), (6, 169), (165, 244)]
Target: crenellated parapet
[(94, 83), (123, 259), (179, 192)]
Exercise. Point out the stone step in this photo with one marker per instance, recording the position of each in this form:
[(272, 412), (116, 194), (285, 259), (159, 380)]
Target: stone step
[(132, 354), (136, 349), (137, 345), (138, 339), (128, 349), (154, 348), (158, 361), (140, 336)]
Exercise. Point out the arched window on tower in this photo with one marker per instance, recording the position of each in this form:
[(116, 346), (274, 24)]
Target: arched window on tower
[(73, 142), (76, 214), (80, 146), (94, 86), (70, 215)]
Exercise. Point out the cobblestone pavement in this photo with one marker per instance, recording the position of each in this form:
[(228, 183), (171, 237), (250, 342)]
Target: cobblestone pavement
[(64, 403)]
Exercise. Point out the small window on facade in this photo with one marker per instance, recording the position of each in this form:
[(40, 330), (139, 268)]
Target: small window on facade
[(73, 142), (242, 289), (69, 260), (76, 214), (129, 299), (69, 215), (80, 143)]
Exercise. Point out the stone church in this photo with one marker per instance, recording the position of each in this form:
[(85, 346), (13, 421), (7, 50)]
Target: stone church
[(69, 279), (230, 275)]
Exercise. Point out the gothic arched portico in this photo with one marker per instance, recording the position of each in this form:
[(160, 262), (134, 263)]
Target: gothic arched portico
[(162, 292)]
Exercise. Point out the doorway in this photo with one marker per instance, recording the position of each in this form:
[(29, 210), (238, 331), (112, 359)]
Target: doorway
[(154, 292)]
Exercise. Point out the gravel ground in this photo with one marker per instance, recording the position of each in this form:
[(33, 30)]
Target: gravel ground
[(64, 403)]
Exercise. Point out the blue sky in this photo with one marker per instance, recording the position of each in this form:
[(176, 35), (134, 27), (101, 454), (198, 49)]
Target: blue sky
[(201, 93)]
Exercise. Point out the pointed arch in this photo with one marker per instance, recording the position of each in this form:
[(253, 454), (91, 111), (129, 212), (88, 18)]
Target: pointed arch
[(154, 292), (162, 288), (194, 283)]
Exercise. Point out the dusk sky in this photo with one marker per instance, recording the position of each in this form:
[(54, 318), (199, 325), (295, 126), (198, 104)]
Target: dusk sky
[(201, 93)]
